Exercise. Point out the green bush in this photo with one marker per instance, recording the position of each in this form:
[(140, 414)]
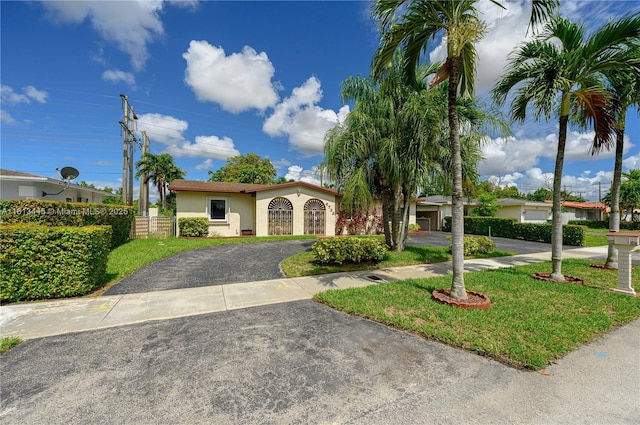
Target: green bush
[(348, 250), (477, 245), (44, 262), (58, 213), (414, 227), (604, 224), (510, 228), (196, 227)]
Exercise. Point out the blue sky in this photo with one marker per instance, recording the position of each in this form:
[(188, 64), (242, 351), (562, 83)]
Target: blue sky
[(209, 80)]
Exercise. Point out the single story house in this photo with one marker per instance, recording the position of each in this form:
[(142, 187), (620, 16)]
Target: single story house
[(524, 211), (583, 211), (431, 210), (15, 185), (234, 209)]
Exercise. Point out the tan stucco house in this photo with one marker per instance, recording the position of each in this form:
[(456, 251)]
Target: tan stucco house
[(524, 211), (235, 209)]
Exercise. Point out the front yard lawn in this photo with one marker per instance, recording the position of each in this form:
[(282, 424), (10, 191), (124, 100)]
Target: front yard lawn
[(530, 324)]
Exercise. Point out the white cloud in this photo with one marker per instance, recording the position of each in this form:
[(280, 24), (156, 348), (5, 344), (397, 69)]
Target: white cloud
[(205, 147), (504, 156), (207, 164), (169, 131), (632, 162), (117, 76), (237, 82), (281, 163), (163, 128), (297, 173), (302, 120), (6, 118), (30, 94), (39, 96), (130, 25)]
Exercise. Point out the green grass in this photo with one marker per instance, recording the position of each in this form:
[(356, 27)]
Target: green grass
[(529, 325), (596, 240), (138, 253), (8, 342), (303, 265)]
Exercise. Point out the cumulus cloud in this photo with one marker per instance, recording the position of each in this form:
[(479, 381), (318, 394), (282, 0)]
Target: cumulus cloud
[(300, 118), (632, 162), (169, 131), (207, 164), (237, 82), (129, 25), (29, 94), (117, 76), (205, 147), (297, 173), (507, 155)]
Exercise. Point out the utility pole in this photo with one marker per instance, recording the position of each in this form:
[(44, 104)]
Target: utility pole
[(143, 206), (128, 127)]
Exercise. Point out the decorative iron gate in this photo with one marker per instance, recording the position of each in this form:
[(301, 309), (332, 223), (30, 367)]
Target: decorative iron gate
[(314, 217), (280, 217)]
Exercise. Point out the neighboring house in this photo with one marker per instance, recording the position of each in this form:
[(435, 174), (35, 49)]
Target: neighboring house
[(524, 211), (234, 209), (431, 210), (583, 211), (17, 185)]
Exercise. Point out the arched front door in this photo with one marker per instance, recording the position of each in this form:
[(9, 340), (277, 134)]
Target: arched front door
[(314, 217), (280, 217)]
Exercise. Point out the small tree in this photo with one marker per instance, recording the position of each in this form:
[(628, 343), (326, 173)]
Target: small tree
[(250, 168), (487, 206)]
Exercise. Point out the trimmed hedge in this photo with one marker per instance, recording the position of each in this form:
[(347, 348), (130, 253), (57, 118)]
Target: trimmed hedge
[(58, 213), (509, 228), (602, 224), (194, 226), (45, 262), (348, 250)]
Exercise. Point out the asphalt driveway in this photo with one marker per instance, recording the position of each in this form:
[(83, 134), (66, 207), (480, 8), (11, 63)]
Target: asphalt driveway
[(302, 362), (504, 244), (254, 262), (212, 266)]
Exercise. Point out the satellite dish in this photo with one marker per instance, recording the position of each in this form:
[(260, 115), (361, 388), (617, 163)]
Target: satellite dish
[(69, 173)]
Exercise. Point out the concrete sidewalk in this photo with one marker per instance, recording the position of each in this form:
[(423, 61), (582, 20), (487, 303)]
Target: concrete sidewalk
[(40, 319)]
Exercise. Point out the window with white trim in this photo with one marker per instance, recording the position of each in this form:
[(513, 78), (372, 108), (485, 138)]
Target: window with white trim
[(217, 209)]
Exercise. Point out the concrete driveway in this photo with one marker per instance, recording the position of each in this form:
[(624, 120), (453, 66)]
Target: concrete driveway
[(302, 362)]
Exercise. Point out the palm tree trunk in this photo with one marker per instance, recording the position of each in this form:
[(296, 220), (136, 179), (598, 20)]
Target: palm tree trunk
[(556, 232), (386, 217), (614, 215), (458, 290)]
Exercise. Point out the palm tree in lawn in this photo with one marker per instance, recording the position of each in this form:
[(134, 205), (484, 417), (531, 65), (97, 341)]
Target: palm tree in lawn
[(161, 170), (625, 90), (384, 147), (562, 70), (411, 27)]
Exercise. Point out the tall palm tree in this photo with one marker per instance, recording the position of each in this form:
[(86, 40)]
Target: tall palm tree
[(625, 90), (161, 170), (411, 27), (384, 148), (562, 69)]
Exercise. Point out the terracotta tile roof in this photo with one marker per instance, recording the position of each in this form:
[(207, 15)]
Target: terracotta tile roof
[(226, 187), (582, 205)]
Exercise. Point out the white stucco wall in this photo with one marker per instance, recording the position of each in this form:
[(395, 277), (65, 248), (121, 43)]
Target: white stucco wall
[(23, 189), (298, 200)]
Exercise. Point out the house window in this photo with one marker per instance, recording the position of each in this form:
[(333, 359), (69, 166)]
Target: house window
[(217, 209)]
